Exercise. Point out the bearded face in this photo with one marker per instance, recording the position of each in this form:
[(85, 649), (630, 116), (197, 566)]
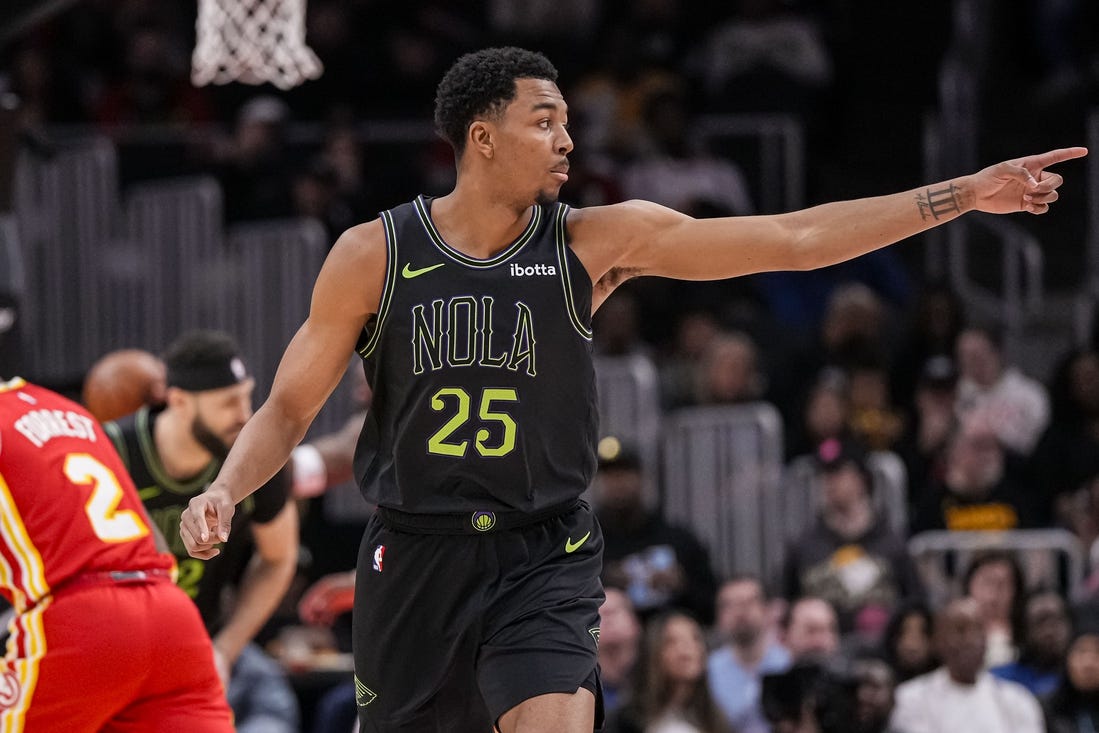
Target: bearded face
[(215, 444), (219, 416)]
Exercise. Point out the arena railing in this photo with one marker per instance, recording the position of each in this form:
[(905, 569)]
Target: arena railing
[(1019, 293), (75, 230), (780, 174), (1051, 558), (801, 492), (951, 142), (1022, 263), (66, 208), (103, 274), (630, 409), (722, 471), (1088, 299), (776, 145), (1093, 200), (13, 294), (175, 227), (269, 270)]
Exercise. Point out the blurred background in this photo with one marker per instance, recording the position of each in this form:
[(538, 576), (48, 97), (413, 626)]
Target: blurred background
[(735, 107), (959, 368)]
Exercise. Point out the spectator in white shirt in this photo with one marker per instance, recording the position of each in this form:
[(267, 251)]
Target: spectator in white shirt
[(961, 696)]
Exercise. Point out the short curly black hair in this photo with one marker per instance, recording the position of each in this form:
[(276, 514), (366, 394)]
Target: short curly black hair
[(481, 83), (199, 348)]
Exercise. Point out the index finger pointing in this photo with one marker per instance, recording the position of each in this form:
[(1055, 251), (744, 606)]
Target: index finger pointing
[(1058, 156), (194, 519)]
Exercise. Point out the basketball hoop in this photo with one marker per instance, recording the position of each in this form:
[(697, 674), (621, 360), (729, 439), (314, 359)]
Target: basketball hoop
[(252, 41)]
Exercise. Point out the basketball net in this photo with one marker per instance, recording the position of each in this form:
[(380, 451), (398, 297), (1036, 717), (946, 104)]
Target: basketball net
[(252, 41)]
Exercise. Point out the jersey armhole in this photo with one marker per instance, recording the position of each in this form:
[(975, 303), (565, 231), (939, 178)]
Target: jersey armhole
[(561, 241), (371, 340), (115, 434)]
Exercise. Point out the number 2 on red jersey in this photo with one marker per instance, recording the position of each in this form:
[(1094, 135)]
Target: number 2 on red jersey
[(108, 522)]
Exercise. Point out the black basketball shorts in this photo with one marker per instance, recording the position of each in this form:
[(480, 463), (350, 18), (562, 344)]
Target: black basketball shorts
[(453, 630)]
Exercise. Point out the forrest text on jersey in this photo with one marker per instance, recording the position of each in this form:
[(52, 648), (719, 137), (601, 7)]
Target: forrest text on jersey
[(39, 426)]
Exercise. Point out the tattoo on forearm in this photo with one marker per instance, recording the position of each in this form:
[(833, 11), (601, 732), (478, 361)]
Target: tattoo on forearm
[(939, 202)]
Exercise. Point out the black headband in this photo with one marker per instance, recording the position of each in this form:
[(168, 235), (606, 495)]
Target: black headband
[(213, 375)]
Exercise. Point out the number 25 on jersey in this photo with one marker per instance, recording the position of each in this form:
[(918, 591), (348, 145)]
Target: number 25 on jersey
[(486, 414)]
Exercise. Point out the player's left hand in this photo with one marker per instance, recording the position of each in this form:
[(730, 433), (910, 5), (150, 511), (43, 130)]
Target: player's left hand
[(1022, 184), (206, 521)]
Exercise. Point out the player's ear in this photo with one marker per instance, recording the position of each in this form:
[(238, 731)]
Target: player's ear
[(480, 138), (177, 398)]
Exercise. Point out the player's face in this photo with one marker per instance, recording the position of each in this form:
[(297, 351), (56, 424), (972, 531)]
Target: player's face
[(534, 141), (220, 414)]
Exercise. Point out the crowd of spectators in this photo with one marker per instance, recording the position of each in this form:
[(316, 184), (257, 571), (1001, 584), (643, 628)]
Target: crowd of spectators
[(850, 635), (850, 629), (637, 74)]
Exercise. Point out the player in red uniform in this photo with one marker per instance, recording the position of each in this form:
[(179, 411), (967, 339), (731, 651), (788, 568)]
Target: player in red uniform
[(102, 640)]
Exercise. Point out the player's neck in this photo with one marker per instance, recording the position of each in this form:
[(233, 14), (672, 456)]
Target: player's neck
[(478, 223), (180, 454)]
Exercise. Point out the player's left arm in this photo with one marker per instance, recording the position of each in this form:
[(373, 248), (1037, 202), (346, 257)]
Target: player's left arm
[(635, 238), (265, 581)]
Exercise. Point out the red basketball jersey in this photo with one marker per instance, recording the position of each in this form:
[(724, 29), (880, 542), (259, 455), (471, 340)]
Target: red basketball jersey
[(67, 505)]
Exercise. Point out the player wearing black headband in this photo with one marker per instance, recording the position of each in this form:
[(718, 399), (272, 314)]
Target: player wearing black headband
[(173, 452)]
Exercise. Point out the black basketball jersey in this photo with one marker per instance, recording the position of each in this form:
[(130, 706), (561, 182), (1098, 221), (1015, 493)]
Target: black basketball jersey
[(484, 388), (165, 499)]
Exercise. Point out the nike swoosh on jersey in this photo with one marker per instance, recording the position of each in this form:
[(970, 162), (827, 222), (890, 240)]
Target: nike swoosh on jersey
[(408, 273), (571, 547)]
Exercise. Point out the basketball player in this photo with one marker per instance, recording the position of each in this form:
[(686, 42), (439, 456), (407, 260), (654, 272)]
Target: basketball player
[(102, 639), (478, 579), (173, 451)]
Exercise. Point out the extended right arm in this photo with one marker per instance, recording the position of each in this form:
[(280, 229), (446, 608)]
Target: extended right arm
[(346, 294)]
